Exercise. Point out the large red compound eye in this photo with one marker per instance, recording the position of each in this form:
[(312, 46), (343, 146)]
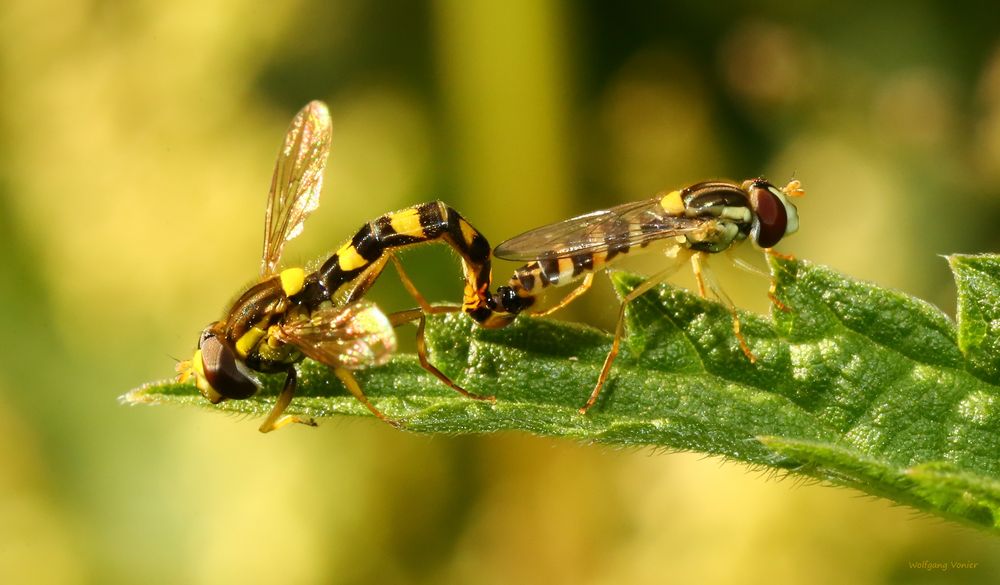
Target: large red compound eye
[(771, 216), (222, 371)]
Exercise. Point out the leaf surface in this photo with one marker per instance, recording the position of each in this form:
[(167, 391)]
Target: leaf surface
[(854, 385)]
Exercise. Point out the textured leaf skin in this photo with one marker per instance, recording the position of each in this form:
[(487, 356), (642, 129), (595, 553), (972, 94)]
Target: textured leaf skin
[(978, 279), (854, 385)]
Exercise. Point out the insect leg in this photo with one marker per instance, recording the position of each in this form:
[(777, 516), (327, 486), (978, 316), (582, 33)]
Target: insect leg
[(371, 274), (420, 316), (584, 287), (426, 307), (351, 383), (704, 275), (740, 263), (773, 289), (620, 329), (427, 365), (364, 282), (779, 254), (410, 315), (275, 420), (744, 265)]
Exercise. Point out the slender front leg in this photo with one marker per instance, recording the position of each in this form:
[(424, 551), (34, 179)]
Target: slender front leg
[(703, 275), (426, 307), (620, 329), (420, 316), (351, 383), (275, 420), (773, 289), (740, 263), (364, 282), (584, 287), (401, 317), (412, 315), (427, 365)]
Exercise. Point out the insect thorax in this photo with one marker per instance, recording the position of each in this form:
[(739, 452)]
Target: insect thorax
[(271, 355), (717, 235)]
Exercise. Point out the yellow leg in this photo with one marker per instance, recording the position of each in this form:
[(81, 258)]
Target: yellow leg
[(620, 329), (365, 281), (275, 420), (696, 267), (773, 289), (354, 388), (411, 315), (426, 307), (420, 316), (427, 365), (744, 265), (702, 274), (584, 287), (772, 295), (774, 284)]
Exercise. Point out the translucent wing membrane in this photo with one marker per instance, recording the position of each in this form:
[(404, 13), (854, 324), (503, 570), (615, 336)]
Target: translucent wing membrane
[(629, 224), (352, 337), (297, 180)]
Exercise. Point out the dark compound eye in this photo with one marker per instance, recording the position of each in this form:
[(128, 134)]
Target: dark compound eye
[(772, 218), (222, 370)]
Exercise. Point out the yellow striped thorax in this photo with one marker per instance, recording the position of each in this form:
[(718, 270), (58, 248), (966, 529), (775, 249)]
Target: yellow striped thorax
[(248, 341), (672, 203), (292, 280)]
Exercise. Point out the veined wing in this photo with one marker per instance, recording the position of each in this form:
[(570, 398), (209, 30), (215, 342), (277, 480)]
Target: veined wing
[(297, 181), (354, 336), (626, 225)]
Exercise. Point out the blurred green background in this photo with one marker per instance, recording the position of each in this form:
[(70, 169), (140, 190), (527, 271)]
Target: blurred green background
[(138, 140)]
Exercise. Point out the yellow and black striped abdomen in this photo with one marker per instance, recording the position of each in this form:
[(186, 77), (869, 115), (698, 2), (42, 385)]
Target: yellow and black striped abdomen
[(546, 272), (427, 222), (563, 270)]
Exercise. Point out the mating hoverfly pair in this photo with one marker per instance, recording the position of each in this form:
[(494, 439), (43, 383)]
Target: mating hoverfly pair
[(289, 315)]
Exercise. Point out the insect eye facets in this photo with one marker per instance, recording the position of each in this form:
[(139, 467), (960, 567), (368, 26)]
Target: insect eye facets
[(222, 371), (772, 217)]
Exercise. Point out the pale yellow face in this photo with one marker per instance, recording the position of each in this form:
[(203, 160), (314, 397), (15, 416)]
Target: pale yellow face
[(195, 368), (792, 189)]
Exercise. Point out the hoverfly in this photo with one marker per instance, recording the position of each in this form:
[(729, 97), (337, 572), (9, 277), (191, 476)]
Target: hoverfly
[(704, 218), (289, 315)]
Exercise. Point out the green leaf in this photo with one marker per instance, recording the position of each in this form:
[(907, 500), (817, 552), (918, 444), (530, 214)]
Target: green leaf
[(854, 385), (978, 279)]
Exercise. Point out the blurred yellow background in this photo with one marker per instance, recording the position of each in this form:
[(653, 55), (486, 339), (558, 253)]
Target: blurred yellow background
[(138, 140)]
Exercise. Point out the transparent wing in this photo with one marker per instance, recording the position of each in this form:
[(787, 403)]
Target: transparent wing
[(629, 224), (354, 336), (297, 180)]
